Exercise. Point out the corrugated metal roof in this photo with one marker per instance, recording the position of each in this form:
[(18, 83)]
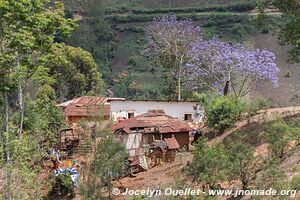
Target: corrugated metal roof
[(172, 143), (152, 100), (152, 122), (87, 101), (86, 106), (87, 111)]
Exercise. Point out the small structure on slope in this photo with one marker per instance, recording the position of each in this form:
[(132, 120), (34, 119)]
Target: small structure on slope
[(87, 108), (152, 138)]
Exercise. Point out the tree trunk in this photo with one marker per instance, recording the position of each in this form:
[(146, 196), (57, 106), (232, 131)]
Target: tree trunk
[(179, 84), (21, 103), (7, 150), (226, 88)]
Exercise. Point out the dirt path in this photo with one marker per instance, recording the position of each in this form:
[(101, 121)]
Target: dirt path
[(161, 176), (263, 116)]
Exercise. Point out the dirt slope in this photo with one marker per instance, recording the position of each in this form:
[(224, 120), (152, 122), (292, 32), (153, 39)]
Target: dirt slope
[(161, 176), (263, 116)]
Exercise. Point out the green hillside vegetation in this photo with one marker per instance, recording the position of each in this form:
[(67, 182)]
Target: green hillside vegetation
[(156, 4), (114, 49), (114, 32)]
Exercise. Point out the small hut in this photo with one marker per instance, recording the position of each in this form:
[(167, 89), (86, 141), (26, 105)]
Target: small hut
[(154, 136)]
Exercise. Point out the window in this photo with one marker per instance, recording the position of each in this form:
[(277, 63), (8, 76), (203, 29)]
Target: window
[(130, 115), (188, 117)]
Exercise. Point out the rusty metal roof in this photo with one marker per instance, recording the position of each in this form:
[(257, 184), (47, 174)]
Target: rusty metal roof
[(87, 101), (86, 106), (86, 111), (152, 122), (152, 100), (172, 143)]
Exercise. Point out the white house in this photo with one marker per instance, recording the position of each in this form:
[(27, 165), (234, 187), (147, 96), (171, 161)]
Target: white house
[(184, 110)]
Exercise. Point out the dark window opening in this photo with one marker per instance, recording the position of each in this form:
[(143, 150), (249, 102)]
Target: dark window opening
[(188, 117), (130, 115)]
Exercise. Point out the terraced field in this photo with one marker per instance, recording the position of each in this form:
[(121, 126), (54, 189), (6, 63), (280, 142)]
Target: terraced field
[(232, 20)]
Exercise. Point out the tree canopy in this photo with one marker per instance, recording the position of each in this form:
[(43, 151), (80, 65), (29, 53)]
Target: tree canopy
[(74, 72), (29, 31)]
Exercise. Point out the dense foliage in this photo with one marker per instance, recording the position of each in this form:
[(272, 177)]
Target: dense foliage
[(213, 164), (210, 164), (29, 75), (278, 136), (74, 72), (222, 112), (63, 185)]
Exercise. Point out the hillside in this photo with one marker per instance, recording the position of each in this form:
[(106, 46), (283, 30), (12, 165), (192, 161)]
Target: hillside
[(172, 174), (114, 31), (189, 121)]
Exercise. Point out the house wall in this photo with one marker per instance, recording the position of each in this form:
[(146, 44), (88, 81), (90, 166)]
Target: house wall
[(133, 142), (182, 138), (120, 109)]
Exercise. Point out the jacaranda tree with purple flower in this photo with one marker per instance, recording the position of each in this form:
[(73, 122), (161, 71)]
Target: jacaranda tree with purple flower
[(171, 42), (217, 65), (213, 64)]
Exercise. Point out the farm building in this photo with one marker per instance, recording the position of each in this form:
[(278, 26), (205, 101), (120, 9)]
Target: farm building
[(189, 111), (86, 108), (152, 136)]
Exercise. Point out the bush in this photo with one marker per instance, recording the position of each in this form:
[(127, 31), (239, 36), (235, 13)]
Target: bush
[(296, 182), (257, 104), (222, 113), (210, 164), (63, 184), (277, 135)]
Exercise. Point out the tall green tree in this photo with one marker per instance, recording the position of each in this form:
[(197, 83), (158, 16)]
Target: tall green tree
[(222, 113), (74, 72), (28, 29)]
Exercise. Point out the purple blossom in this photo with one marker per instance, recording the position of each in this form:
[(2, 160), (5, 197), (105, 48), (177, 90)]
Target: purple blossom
[(217, 61), (172, 34), (209, 63)]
